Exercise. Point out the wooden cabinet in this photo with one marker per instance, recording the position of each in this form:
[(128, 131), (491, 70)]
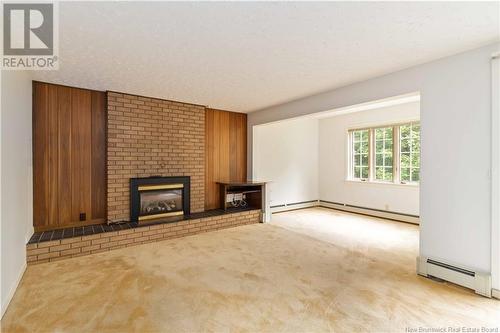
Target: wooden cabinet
[(242, 195), (69, 156), (226, 152)]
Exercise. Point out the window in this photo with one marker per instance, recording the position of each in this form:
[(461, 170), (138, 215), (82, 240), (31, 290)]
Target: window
[(389, 154), (409, 143), (383, 154), (360, 156)]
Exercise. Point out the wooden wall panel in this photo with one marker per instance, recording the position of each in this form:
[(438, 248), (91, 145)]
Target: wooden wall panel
[(40, 154), (64, 128), (81, 152), (238, 150), (226, 160), (209, 158), (69, 149), (98, 153), (53, 142)]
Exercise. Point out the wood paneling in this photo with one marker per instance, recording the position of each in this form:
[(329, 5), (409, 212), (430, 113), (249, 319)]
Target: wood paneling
[(65, 190), (98, 153), (69, 154), (226, 146), (40, 154), (52, 154)]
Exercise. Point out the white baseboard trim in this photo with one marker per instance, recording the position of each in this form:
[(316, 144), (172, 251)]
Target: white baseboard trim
[(293, 206), (372, 212), (480, 282), (495, 293), (12, 291)]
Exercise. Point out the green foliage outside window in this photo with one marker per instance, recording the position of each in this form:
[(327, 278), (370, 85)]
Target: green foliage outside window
[(383, 154), (360, 163), (374, 148), (409, 141)]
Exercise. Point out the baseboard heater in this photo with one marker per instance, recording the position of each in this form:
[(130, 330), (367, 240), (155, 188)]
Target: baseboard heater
[(294, 205), (478, 281), (415, 219)]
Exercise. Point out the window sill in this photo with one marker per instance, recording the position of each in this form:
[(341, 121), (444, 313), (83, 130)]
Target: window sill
[(372, 183)]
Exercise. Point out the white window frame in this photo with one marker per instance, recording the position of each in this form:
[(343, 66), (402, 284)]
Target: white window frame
[(399, 153), (351, 155), (396, 155), (373, 177)]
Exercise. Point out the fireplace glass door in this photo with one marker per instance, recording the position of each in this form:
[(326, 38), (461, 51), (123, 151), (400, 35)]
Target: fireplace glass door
[(159, 201)]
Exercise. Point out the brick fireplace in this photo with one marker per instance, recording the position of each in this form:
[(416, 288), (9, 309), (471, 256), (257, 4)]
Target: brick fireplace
[(153, 137), (166, 149)]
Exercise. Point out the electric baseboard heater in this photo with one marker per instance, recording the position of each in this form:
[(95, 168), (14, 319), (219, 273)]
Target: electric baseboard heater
[(478, 281)]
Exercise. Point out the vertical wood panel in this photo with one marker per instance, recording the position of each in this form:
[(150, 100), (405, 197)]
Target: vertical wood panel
[(209, 158), (98, 154), (69, 156), (233, 147), (224, 144), (75, 158), (242, 148), (53, 150), (86, 153), (81, 146), (225, 141), (238, 147), (40, 154), (216, 159), (64, 155)]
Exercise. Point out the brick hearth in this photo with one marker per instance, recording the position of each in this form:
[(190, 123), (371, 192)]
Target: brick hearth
[(42, 251)]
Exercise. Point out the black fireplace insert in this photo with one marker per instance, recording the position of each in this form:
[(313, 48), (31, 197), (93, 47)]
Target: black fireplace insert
[(154, 198)]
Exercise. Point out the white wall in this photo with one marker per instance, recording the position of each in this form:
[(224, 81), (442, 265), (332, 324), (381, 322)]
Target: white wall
[(455, 224), (333, 157), (16, 179), (287, 154), (495, 165)]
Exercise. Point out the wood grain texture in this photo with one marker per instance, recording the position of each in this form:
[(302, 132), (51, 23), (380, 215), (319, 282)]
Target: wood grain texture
[(226, 160), (40, 154), (64, 108), (53, 142), (68, 156), (98, 153), (81, 152)]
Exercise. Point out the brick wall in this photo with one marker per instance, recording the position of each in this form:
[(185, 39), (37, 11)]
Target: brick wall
[(147, 137), (84, 245)]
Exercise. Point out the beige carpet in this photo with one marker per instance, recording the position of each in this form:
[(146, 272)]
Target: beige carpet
[(311, 270)]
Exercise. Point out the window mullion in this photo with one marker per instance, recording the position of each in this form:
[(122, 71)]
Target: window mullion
[(411, 152), (350, 159), (371, 155), (396, 156)]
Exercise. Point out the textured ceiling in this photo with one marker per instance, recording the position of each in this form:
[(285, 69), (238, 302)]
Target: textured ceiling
[(245, 56)]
